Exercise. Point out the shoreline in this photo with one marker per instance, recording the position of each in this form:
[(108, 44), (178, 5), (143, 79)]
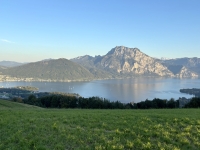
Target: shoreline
[(86, 80)]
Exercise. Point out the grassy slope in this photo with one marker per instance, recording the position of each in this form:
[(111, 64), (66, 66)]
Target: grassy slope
[(5, 105), (34, 128)]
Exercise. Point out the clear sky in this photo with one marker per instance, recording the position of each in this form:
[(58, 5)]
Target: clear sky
[(32, 30)]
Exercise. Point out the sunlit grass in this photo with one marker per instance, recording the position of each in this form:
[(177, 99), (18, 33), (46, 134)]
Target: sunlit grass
[(24, 127)]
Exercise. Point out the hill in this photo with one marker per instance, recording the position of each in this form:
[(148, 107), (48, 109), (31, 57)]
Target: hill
[(50, 70)]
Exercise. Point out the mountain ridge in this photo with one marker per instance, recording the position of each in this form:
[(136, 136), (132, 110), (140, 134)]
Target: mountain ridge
[(119, 62), (5, 63), (128, 62)]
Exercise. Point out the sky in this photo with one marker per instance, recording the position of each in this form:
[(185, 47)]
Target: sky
[(33, 30)]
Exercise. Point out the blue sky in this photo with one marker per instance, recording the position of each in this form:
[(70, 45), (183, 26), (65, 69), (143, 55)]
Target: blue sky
[(32, 30)]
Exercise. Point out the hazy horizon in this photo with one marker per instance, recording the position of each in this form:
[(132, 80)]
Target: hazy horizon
[(89, 55), (35, 30)]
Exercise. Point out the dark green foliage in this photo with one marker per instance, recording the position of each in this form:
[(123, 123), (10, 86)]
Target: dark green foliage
[(172, 103), (194, 103), (17, 99), (32, 100), (157, 103), (70, 101), (65, 101)]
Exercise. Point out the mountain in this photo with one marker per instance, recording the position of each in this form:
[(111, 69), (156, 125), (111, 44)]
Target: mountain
[(89, 62), (185, 72), (128, 62), (192, 64), (119, 62), (50, 70), (131, 62), (10, 63), (125, 62)]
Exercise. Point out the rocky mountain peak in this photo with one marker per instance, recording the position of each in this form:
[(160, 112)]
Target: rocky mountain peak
[(122, 51), (127, 62), (132, 61), (85, 57)]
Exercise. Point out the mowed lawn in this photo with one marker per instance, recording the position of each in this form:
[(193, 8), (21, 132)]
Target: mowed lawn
[(28, 127)]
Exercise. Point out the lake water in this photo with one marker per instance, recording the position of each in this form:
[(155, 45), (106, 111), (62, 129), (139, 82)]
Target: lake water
[(124, 90)]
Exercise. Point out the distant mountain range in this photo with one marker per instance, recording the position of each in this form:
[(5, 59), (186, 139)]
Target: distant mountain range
[(192, 64), (10, 63), (119, 62)]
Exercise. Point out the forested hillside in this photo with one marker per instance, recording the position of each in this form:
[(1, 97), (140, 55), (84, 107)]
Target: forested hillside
[(50, 70)]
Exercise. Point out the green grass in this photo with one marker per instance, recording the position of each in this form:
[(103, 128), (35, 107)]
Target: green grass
[(28, 127), (6, 105)]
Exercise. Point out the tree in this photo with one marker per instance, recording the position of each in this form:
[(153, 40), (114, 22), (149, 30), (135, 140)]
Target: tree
[(171, 103), (31, 99)]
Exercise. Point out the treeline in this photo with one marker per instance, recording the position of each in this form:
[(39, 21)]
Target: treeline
[(160, 103), (63, 101), (66, 101), (194, 103), (157, 103)]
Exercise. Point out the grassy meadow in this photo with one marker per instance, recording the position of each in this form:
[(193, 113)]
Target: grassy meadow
[(29, 127)]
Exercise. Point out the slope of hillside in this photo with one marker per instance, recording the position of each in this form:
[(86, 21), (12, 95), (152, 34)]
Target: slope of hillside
[(6, 104), (61, 129), (50, 70), (89, 62)]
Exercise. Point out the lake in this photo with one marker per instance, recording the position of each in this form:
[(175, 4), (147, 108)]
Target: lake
[(124, 90)]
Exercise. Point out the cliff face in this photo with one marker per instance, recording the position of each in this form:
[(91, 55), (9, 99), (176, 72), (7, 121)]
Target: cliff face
[(185, 73), (126, 62), (132, 61), (190, 67)]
